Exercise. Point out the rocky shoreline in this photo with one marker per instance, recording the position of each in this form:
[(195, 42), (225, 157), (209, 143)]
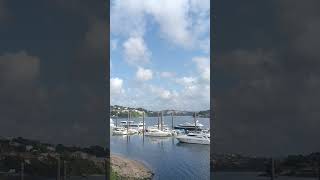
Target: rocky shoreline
[(129, 169)]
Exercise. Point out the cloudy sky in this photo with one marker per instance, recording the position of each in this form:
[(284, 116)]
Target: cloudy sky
[(160, 55)]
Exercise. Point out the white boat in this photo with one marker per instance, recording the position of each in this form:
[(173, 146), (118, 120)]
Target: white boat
[(112, 124), (194, 138), (207, 132), (119, 131), (165, 128), (157, 132), (124, 131), (189, 126), (132, 125)]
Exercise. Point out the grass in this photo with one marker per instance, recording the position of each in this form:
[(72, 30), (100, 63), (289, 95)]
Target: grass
[(114, 176)]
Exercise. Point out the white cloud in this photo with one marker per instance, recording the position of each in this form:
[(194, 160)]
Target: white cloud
[(144, 74), (136, 52), (203, 66), (166, 74), (186, 81), (160, 92), (127, 18), (116, 86), (183, 22), (114, 44)]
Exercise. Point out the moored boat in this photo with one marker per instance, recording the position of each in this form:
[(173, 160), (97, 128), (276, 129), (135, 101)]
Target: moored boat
[(189, 126), (194, 138), (157, 132)]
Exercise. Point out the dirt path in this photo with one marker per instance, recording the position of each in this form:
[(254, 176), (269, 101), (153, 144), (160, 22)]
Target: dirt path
[(130, 169)]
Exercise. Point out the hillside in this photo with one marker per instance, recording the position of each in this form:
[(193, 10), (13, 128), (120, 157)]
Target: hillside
[(121, 111)]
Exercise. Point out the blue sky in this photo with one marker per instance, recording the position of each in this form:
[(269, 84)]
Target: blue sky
[(160, 54)]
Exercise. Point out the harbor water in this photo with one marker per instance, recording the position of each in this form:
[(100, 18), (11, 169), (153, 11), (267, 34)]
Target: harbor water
[(165, 156)]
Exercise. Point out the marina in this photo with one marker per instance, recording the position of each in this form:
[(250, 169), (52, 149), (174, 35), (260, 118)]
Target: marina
[(165, 156), (187, 132)]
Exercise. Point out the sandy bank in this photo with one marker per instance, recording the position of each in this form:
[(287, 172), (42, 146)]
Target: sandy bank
[(130, 169)]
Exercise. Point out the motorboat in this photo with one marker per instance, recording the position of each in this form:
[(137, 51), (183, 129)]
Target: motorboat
[(207, 132), (119, 131), (132, 125), (157, 132), (189, 126), (194, 138), (124, 131)]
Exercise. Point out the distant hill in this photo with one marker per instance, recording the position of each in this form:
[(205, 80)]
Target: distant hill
[(121, 111)]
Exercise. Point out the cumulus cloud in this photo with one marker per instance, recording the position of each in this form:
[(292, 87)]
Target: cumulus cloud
[(144, 74), (184, 23), (186, 81), (116, 86), (136, 51), (114, 44), (203, 66), (166, 74)]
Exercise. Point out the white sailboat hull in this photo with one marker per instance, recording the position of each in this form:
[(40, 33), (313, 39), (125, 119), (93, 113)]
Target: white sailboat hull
[(192, 140), (158, 134)]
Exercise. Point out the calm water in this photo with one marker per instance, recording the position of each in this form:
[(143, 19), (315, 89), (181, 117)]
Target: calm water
[(167, 158), (249, 176)]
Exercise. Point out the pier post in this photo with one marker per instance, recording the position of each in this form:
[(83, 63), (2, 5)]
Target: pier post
[(22, 169), (58, 168), (158, 119), (128, 122), (195, 121), (161, 121), (172, 120), (117, 121), (143, 123)]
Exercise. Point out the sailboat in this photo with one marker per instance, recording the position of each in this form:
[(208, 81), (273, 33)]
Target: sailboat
[(157, 132), (124, 131)]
